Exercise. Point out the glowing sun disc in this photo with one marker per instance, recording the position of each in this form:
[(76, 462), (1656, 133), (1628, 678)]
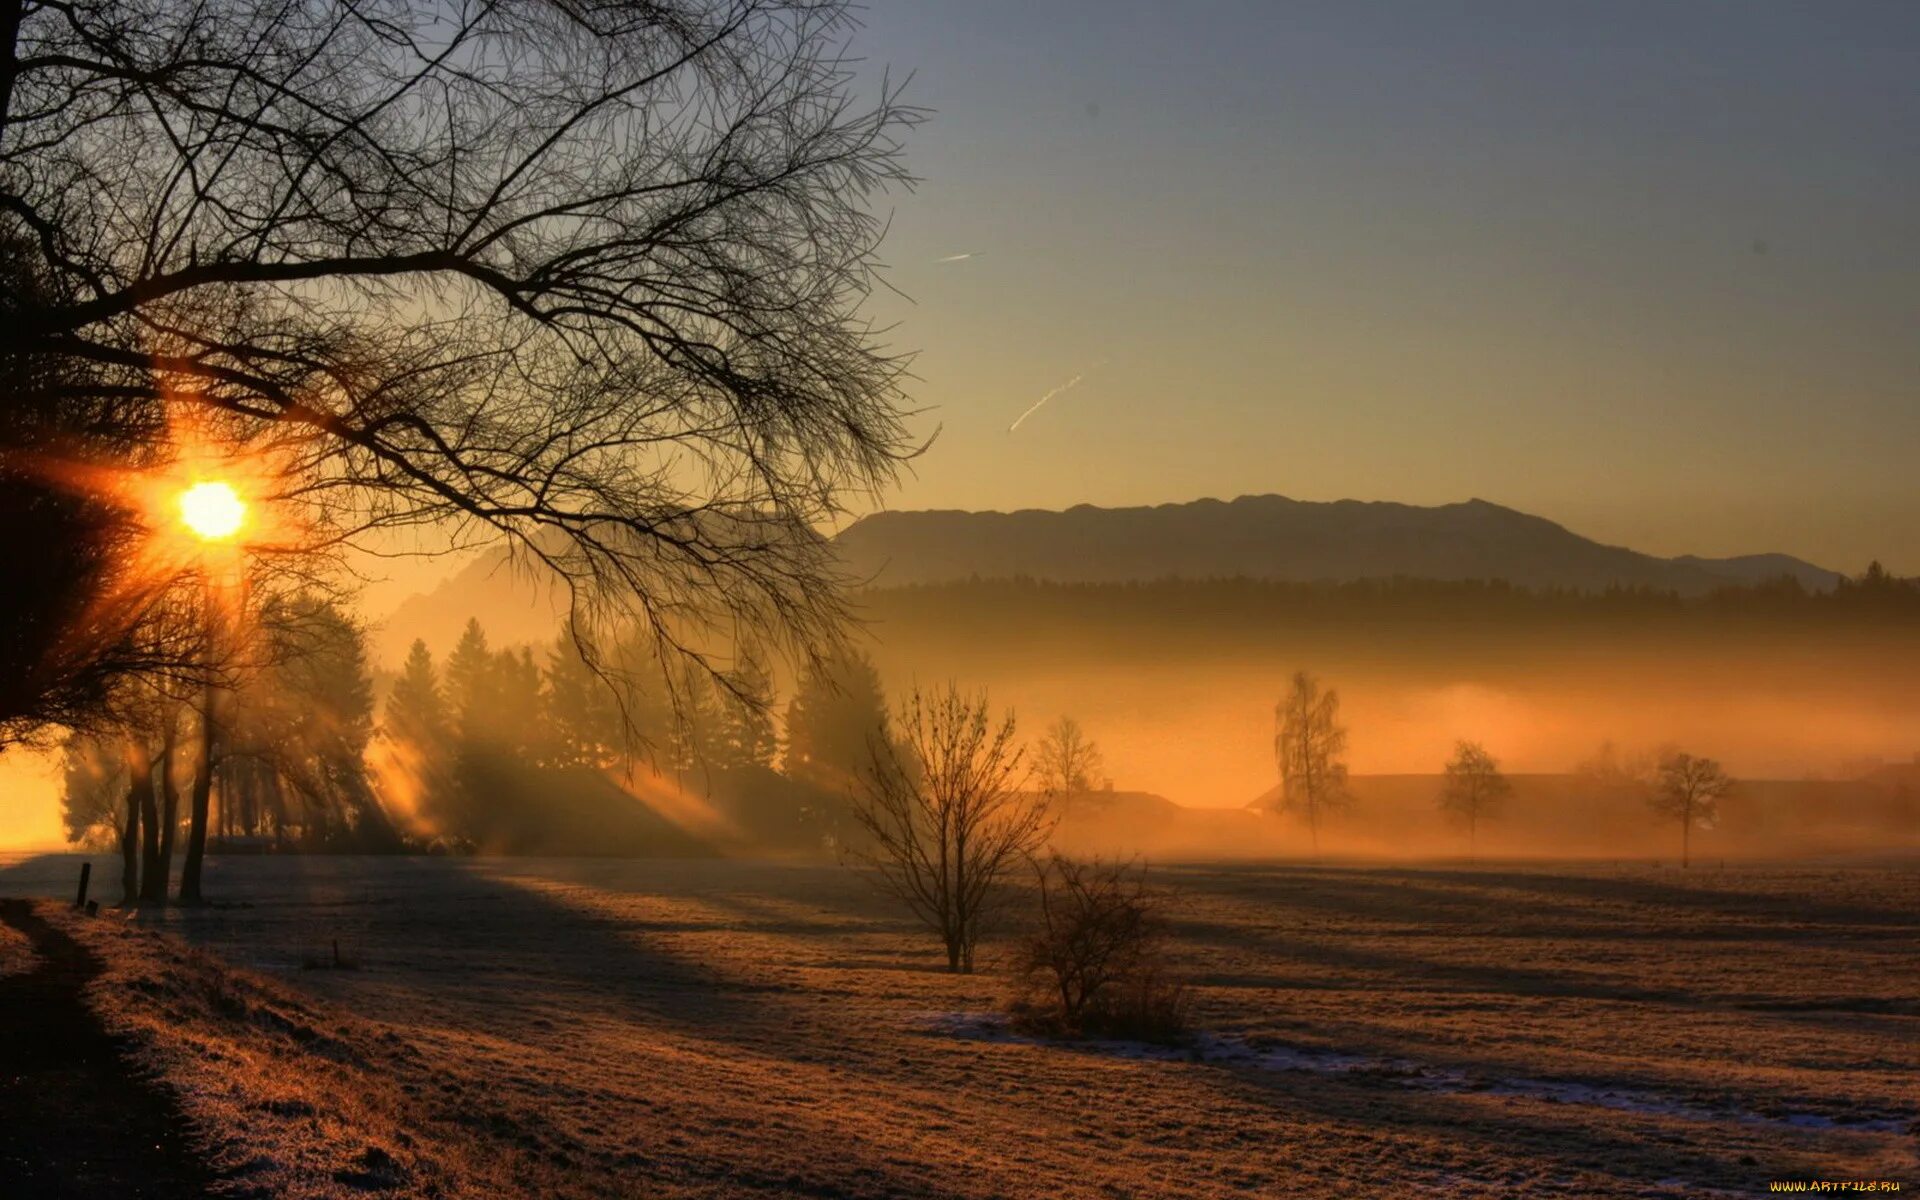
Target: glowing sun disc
[(212, 510)]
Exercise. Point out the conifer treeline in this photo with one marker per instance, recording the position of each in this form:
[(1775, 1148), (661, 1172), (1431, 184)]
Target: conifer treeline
[(1182, 614), (488, 727)]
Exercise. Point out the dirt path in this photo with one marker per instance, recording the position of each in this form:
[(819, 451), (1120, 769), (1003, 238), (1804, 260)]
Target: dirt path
[(74, 1121)]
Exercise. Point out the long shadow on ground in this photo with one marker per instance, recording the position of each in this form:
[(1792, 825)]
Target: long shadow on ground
[(74, 1120)]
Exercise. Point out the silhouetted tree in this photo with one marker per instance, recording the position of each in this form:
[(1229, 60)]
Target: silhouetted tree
[(513, 267), (516, 726), (501, 721), (156, 878), (154, 866), (1067, 761), (69, 640), (1474, 790), (1689, 789), (1095, 961), (472, 683), (747, 739), (945, 816), (1310, 745), (837, 712), (416, 708), (140, 809), (585, 723), (94, 791), (290, 739), (696, 733)]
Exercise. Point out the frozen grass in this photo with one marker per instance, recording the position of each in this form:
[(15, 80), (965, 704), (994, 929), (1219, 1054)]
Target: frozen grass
[(16, 952), (608, 1028)]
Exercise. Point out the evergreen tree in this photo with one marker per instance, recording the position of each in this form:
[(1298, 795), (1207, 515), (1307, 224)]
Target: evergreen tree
[(698, 732), (747, 739), (582, 711), (299, 730), (514, 725), (837, 713), (416, 711), (470, 682)]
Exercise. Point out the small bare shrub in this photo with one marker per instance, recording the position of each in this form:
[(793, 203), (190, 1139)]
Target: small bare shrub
[(1095, 963)]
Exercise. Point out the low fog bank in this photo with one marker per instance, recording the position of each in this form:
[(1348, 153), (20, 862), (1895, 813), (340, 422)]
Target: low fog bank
[(1178, 681), (1397, 817)]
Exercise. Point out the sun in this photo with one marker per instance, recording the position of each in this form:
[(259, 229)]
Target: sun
[(213, 510)]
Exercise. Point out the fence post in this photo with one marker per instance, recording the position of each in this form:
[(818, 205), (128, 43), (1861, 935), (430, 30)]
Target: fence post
[(86, 873)]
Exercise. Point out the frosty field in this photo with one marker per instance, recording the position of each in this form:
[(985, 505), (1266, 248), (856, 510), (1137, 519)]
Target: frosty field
[(612, 1028)]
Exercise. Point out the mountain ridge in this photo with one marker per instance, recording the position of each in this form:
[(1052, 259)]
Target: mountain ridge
[(1276, 537), (1267, 537)]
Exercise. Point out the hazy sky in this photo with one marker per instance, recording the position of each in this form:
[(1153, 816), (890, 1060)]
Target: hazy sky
[(1652, 270)]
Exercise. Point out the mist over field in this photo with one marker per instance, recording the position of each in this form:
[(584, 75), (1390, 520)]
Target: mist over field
[(1809, 695), (1185, 676)]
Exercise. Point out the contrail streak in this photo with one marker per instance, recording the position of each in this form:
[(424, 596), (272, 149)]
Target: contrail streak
[(1067, 386), (955, 257)]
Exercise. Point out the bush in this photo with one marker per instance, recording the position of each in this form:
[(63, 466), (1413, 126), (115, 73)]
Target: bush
[(1095, 963)]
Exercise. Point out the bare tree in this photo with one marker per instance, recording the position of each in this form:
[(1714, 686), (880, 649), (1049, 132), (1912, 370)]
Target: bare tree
[(946, 815), (583, 277), (1474, 790), (1689, 789), (1310, 746), (1067, 760)]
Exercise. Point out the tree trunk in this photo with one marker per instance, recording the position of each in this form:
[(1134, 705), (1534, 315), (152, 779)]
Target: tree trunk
[(139, 806), (169, 822), (197, 814), (159, 834)]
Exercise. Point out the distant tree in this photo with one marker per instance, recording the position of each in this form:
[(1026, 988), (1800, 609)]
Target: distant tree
[(416, 709), (1067, 761), (746, 736), (1310, 746), (1474, 790), (293, 751), (585, 724), (1689, 789), (945, 814), (93, 791), (515, 725), (836, 712), (696, 732), (471, 681), (501, 723)]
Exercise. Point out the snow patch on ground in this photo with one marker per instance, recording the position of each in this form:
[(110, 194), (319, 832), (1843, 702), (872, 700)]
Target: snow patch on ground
[(1267, 1055)]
